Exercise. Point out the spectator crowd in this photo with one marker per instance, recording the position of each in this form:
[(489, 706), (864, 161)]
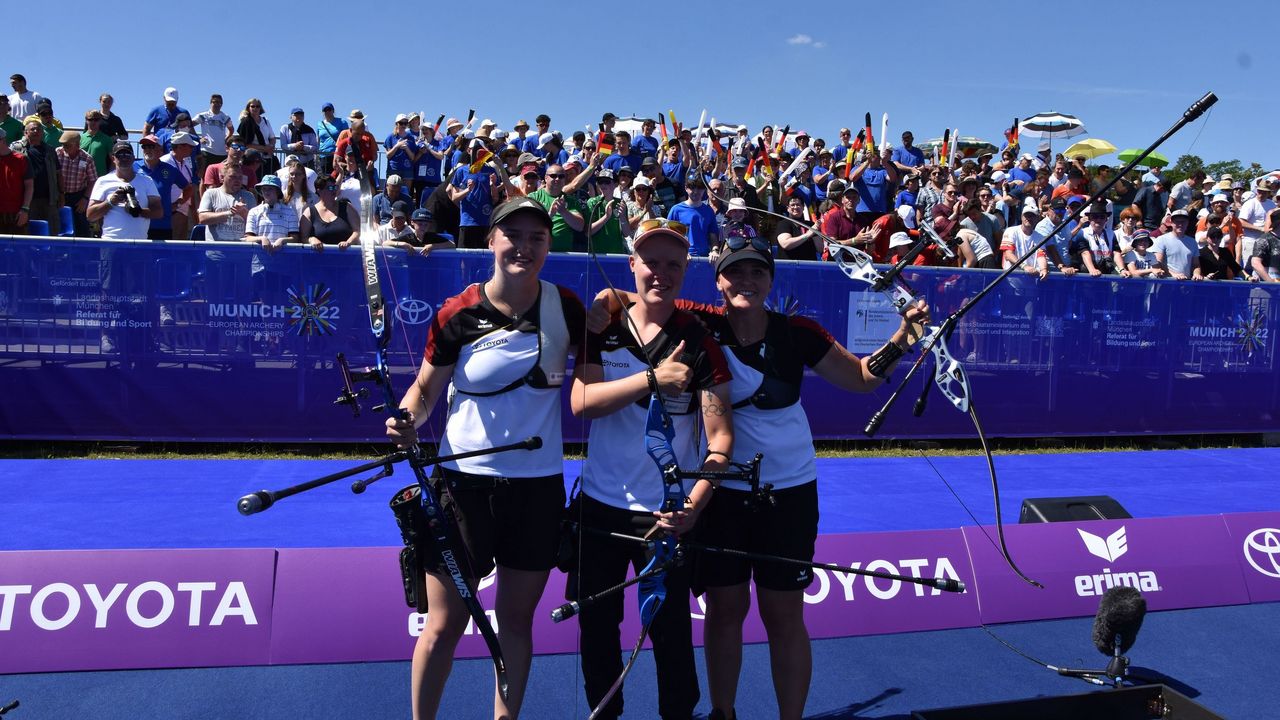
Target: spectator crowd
[(244, 178)]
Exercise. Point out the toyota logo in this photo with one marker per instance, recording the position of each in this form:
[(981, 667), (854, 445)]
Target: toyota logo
[(1262, 550), (414, 312)]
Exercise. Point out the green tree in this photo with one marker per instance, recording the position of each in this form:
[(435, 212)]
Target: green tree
[(1183, 168)]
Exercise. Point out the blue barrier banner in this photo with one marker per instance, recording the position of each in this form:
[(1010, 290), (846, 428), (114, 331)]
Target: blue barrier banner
[(223, 342)]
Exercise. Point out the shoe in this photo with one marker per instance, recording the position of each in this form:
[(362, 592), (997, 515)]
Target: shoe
[(166, 315)]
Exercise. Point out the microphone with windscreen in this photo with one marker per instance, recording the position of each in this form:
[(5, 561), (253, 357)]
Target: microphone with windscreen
[(1118, 620), (1115, 627)]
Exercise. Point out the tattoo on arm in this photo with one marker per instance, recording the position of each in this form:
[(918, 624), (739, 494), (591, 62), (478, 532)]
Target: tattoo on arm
[(711, 405)]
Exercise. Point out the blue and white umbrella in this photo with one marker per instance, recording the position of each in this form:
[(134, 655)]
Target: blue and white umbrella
[(1051, 125)]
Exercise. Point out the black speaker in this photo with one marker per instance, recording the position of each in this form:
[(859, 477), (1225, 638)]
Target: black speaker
[(1067, 509), (1135, 703)]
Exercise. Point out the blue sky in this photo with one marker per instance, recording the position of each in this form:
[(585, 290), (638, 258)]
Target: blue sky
[(1128, 69)]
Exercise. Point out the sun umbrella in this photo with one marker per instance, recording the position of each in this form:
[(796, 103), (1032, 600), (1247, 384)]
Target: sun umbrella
[(1091, 148), (1051, 125), (1155, 159), (966, 147)]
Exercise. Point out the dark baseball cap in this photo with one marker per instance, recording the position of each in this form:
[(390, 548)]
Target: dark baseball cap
[(520, 204), (744, 253), (122, 148)]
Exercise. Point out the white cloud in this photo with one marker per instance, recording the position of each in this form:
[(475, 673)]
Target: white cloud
[(819, 45), (799, 39)]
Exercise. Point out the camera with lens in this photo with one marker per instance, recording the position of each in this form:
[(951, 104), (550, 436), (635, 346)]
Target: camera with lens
[(131, 200)]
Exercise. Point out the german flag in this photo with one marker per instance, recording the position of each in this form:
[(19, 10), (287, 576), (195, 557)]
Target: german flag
[(604, 144), (482, 156)]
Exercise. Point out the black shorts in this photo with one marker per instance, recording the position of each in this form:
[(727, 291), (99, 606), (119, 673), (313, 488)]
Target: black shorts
[(474, 237), (788, 529), (513, 521)]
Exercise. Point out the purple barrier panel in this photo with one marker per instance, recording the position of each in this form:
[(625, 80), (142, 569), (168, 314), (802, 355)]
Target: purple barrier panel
[(118, 609), (844, 605), (357, 596), (1256, 537), (1180, 562)]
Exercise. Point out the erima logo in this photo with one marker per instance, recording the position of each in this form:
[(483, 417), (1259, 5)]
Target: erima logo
[(1111, 548), (1115, 545)]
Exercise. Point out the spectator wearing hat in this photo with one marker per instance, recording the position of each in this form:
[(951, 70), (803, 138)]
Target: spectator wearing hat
[(42, 163), (182, 149), (166, 178), (299, 139), (427, 166), (16, 187), (642, 205), (426, 237), (626, 179), (908, 157), (1019, 239), (695, 214), (50, 126), (1220, 209), (1094, 250), (214, 126), (1153, 202), (402, 149), (1176, 251), (1058, 250), (665, 192), (526, 178), (270, 225), (328, 130), (1022, 174), (164, 114), (112, 125), (23, 101), (521, 137), (1138, 260), (607, 214), (1216, 262), (822, 174), (396, 233), (385, 201), (77, 173), (840, 223), (11, 125), (1253, 217), (124, 201), (358, 138)]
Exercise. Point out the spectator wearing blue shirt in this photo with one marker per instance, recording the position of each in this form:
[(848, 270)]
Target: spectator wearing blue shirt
[(695, 214), (164, 116), (622, 154), (475, 194), (166, 177), (908, 156), (531, 143), (874, 179), (676, 167), (402, 149), (385, 201), (645, 143), (1057, 250), (327, 132)]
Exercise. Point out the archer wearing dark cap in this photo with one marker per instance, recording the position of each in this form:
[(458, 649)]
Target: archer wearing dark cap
[(768, 353), (501, 346)]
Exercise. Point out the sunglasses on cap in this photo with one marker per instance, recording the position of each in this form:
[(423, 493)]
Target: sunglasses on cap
[(654, 223), (737, 242)]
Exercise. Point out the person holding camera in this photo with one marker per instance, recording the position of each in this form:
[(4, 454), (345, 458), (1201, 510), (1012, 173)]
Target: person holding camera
[(1094, 250), (125, 202)]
